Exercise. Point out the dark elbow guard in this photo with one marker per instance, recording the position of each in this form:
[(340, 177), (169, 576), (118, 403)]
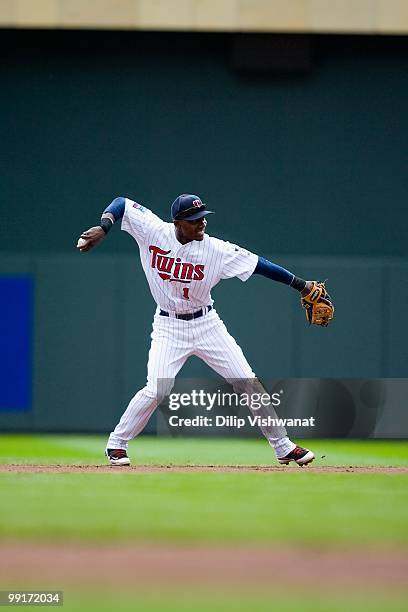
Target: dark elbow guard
[(116, 208)]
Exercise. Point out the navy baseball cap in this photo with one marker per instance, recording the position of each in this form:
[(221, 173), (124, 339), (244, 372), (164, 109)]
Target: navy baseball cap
[(188, 207)]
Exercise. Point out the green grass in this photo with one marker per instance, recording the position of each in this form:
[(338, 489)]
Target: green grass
[(241, 601), (295, 507), (86, 450), (288, 506)]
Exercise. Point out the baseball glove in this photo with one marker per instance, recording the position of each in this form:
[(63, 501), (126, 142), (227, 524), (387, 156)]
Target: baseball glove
[(318, 305)]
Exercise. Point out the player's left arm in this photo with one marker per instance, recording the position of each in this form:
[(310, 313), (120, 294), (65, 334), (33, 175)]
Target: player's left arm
[(314, 297), (275, 272)]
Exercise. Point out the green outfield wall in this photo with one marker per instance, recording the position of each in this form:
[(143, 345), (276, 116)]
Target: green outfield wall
[(296, 162), (306, 167), (93, 316)]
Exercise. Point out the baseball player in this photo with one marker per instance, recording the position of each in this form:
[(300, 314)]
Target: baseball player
[(182, 264)]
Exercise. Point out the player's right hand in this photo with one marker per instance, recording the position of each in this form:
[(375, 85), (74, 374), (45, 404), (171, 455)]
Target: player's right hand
[(92, 237)]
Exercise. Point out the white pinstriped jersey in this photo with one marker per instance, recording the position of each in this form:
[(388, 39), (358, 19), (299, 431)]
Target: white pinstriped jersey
[(181, 276)]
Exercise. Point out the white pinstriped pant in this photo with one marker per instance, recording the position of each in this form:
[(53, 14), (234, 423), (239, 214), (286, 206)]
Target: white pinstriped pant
[(173, 342)]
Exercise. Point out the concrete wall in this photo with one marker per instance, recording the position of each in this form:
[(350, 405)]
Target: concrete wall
[(346, 16)]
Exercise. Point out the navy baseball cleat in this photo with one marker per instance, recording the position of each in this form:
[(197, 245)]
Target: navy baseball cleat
[(301, 456), (117, 456)]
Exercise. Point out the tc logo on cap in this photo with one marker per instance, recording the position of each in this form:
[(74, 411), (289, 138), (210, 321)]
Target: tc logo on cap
[(188, 207)]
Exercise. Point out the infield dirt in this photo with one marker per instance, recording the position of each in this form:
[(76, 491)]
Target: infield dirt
[(92, 469), (70, 563)]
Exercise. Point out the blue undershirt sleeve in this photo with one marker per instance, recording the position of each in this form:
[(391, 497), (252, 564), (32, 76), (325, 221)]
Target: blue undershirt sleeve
[(273, 271), (116, 208)]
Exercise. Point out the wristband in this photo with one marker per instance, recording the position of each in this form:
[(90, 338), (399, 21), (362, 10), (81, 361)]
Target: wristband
[(106, 224), (298, 283)]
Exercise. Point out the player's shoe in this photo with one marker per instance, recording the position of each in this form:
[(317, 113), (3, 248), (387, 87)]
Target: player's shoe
[(301, 456), (117, 456)]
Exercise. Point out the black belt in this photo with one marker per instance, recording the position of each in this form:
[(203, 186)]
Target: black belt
[(188, 316)]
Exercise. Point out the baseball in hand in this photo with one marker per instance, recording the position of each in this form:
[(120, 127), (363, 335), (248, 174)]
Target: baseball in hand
[(81, 243)]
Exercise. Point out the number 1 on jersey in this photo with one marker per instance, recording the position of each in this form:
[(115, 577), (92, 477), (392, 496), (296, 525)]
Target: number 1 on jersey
[(185, 293)]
